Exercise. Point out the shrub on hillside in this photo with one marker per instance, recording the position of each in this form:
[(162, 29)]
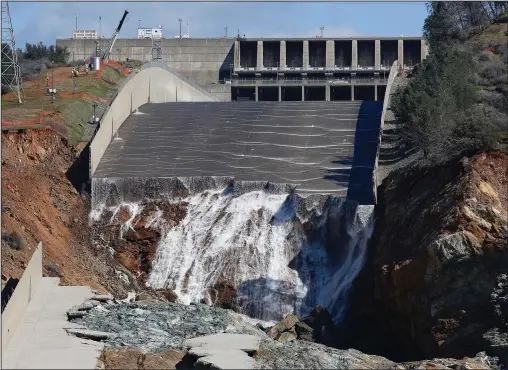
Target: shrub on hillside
[(13, 240), (443, 111), (30, 69)]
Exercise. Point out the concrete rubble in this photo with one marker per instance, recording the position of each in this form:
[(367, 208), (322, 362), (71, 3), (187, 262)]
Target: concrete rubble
[(224, 351)]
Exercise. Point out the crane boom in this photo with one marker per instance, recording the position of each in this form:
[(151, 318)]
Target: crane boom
[(107, 53)]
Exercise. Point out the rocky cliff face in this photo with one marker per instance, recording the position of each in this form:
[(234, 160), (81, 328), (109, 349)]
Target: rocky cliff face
[(435, 283)]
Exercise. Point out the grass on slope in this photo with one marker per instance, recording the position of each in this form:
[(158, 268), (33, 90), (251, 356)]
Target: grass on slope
[(74, 112)]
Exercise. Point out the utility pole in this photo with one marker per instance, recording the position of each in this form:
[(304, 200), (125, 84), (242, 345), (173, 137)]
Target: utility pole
[(180, 20), (139, 23), (100, 27), (226, 31), (321, 29), (76, 22), (188, 29)]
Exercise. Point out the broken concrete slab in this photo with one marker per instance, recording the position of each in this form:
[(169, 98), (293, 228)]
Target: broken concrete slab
[(103, 297), (75, 314), (90, 334), (86, 306), (203, 351), (243, 342), (234, 360)]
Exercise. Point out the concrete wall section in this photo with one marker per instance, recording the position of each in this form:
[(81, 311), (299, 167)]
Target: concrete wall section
[(208, 59), (391, 77), (22, 295), (154, 83)]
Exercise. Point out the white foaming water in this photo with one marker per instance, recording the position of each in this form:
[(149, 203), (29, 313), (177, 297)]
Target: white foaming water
[(334, 294), (275, 249), (225, 237)]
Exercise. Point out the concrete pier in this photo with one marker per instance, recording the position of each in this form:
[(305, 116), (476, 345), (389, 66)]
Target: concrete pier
[(305, 54), (282, 56), (259, 63), (377, 54), (330, 54), (354, 55)]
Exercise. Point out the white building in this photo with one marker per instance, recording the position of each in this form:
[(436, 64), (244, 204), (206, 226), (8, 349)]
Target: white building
[(150, 33), (84, 34)]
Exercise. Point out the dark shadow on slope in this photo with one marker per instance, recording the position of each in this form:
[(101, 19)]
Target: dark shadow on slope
[(8, 291), (78, 172), (359, 177)]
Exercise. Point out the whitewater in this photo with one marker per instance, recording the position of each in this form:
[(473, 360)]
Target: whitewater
[(284, 252)]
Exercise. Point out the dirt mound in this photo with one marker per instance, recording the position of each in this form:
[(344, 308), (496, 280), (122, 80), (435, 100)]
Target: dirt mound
[(40, 203)]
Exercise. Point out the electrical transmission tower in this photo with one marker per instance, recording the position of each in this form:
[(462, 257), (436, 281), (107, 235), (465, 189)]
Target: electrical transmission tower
[(11, 74)]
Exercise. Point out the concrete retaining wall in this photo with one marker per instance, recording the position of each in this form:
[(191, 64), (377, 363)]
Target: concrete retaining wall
[(393, 73), (205, 61), (22, 295), (155, 83)]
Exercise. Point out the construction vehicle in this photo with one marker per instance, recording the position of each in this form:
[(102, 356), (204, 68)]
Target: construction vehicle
[(107, 53), (76, 72)]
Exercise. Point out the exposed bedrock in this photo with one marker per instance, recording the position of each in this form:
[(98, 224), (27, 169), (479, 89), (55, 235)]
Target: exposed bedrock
[(436, 277)]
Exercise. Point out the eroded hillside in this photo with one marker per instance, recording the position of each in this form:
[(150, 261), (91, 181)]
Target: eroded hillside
[(40, 203)]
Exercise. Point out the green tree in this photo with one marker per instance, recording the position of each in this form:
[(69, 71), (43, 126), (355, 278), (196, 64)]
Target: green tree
[(439, 110)]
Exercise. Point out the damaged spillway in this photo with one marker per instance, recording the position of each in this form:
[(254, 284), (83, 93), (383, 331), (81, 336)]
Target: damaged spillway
[(281, 252)]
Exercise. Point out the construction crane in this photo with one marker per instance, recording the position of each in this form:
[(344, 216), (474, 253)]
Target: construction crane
[(107, 53)]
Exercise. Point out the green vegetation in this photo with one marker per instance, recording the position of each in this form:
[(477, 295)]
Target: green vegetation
[(54, 54), (111, 75), (455, 102), (76, 113)]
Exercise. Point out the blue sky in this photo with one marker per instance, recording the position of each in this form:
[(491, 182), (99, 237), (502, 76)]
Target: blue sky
[(45, 21)]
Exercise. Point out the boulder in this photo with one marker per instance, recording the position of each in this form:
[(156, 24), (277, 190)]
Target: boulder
[(275, 331), (304, 331), (290, 321), (287, 336)]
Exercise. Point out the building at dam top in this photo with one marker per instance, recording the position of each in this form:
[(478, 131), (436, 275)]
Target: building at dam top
[(267, 69), (320, 68)]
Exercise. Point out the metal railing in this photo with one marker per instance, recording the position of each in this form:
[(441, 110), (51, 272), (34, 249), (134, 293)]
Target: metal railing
[(332, 82)]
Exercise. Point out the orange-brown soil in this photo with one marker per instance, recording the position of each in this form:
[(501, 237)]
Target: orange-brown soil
[(40, 203)]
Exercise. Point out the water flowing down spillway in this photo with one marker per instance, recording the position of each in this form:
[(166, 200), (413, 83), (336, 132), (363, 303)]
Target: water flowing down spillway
[(283, 252)]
